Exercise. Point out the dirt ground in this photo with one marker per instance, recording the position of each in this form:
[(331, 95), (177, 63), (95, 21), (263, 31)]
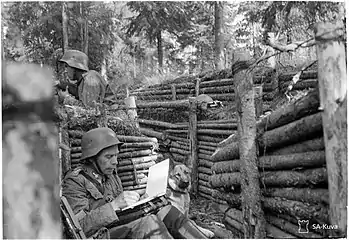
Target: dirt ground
[(206, 214)]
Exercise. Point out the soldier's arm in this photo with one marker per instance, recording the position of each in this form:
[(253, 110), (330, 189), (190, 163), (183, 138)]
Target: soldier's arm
[(77, 195)]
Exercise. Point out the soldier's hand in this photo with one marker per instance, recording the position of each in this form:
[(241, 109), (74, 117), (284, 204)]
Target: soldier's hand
[(145, 195), (125, 199)]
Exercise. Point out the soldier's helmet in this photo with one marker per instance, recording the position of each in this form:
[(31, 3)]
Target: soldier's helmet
[(75, 59), (96, 140)]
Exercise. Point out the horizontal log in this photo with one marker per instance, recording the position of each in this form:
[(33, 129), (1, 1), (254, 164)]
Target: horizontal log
[(228, 152), (306, 195), (134, 182), (152, 133), (156, 123), (309, 177), (204, 131), (305, 106), (305, 75), (132, 177), (125, 150), (75, 149), (163, 104), (229, 140), (180, 145), (304, 178), (206, 190), (204, 156), (230, 126), (179, 151), (209, 148), (211, 144), (205, 163), (233, 199), (179, 158), (216, 83), (226, 166), (210, 138), (290, 227), (296, 131), (274, 232), (222, 121), (141, 166), (315, 144), (208, 152), (75, 155), (135, 154), (207, 196), (204, 183), (301, 85), (75, 133), (75, 142), (237, 233), (204, 177), (131, 172), (175, 138), (204, 170), (139, 191), (216, 90), (234, 223), (290, 161), (151, 145), (138, 160), (296, 209), (131, 139)]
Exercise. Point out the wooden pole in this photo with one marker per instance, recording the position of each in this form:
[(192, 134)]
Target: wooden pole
[(333, 101), (130, 103), (258, 95), (253, 215), (197, 87), (193, 159), (173, 90)]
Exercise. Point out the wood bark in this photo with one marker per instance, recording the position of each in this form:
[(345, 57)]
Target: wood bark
[(204, 177), (297, 209), (218, 33), (228, 152), (193, 141), (132, 177), (304, 178), (135, 154), (306, 195), (204, 183), (296, 131), (305, 106), (283, 77), (137, 187), (205, 163), (152, 133), (233, 199), (204, 156), (179, 151), (290, 227), (333, 100), (66, 166), (226, 166), (157, 123), (316, 144), (210, 138), (134, 182), (296, 160), (208, 152), (65, 38), (205, 170), (311, 83), (131, 139), (150, 145), (163, 104), (131, 173)]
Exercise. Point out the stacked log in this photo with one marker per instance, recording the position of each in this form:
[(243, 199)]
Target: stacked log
[(292, 167)]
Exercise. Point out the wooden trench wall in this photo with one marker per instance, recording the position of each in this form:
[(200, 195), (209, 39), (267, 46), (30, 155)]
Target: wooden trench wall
[(292, 162)]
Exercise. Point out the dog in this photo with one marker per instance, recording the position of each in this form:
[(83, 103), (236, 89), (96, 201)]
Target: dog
[(179, 184)]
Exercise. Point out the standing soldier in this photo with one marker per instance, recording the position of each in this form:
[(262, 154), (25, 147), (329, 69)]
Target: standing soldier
[(86, 85)]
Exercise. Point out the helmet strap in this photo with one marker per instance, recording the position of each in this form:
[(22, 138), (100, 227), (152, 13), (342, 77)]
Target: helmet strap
[(97, 167)]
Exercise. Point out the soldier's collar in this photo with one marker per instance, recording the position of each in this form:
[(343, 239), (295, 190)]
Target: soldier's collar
[(92, 172)]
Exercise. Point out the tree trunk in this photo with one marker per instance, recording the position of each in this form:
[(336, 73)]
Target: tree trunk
[(65, 26), (253, 215), (333, 100), (86, 40), (315, 144), (218, 33), (160, 50)]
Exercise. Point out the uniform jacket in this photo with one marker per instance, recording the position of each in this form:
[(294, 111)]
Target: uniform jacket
[(91, 207)]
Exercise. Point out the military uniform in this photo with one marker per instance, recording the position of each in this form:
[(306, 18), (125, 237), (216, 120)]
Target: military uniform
[(94, 211)]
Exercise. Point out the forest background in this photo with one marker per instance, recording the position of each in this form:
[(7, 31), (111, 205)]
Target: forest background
[(145, 43)]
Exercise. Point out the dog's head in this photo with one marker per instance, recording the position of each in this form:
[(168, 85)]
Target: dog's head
[(180, 178)]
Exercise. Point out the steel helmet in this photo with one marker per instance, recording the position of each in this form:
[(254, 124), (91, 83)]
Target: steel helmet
[(96, 140), (75, 59)]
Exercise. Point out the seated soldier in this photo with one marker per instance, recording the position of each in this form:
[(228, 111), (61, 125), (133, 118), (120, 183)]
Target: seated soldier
[(95, 193), (85, 85)]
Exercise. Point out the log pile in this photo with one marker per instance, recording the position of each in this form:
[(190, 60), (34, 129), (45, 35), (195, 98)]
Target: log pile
[(292, 167)]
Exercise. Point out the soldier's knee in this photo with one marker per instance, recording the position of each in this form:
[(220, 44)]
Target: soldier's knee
[(172, 217), (154, 227)]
